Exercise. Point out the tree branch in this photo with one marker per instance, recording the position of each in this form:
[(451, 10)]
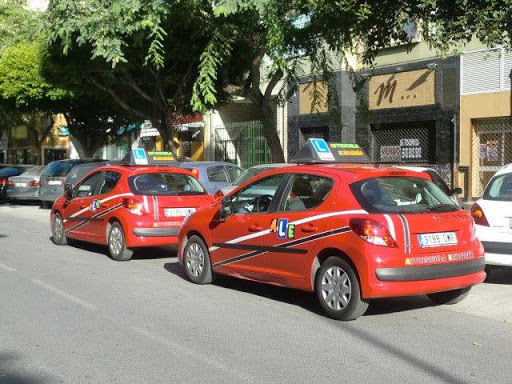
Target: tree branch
[(117, 99), (137, 89), (278, 75)]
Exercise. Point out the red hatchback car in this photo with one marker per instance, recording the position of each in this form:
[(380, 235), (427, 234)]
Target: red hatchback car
[(348, 232), (127, 206)]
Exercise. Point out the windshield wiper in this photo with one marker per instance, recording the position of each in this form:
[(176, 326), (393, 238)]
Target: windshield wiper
[(441, 208)]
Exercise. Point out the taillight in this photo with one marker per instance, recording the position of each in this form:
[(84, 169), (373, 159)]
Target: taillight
[(34, 183), (218, 195), (5, 182), (478, 215), (373, 232), (195, 173), (10, 183), (134, 206)]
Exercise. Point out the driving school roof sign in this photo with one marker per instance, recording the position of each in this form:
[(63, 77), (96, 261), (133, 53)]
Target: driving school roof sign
[(319, 151), (138, 156)]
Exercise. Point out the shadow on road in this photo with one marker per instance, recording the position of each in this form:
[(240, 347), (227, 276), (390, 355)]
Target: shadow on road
[(9, 374), (499, 276)]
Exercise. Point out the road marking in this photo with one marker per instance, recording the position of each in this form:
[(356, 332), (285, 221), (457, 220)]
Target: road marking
[(7, 268), (66, 295), (197, 356)]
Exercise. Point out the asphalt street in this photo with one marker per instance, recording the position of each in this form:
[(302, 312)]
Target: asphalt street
[(69, 314)]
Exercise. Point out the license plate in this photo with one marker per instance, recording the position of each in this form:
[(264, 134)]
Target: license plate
[(54, 182), (178, 212), (20, 185), (437, 239)]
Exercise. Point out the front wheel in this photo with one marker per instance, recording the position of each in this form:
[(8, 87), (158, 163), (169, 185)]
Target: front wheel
[(196, 260), (338, 290), (449, 297), (117, 243), (58, 230)]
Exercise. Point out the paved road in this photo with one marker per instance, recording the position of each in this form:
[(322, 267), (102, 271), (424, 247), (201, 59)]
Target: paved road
[(71, 315)]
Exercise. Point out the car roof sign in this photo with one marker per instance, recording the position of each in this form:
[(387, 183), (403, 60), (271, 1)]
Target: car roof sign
[(139, 156), (319, 151)]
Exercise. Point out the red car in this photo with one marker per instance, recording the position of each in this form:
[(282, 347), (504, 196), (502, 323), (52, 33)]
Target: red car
[(348, 232), (127, 206)]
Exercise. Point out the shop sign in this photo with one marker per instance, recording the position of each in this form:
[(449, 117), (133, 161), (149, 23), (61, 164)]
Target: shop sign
[(410, 149), (390, 153)]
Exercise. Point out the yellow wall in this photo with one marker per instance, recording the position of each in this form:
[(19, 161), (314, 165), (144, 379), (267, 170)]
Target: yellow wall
[(485, 105)]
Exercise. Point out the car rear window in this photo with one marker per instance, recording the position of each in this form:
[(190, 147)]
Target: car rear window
[(499, 188), (58, 168), (401, 195), (164, 183), (34, 171)]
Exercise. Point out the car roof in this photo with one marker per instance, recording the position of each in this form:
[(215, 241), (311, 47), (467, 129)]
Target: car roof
[(138, 169), (273, 165), (198, 164), (505, 169)]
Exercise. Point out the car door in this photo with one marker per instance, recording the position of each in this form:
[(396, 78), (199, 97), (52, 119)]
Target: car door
[(78, 212), (301, 220), (103, 203), (238, 242)]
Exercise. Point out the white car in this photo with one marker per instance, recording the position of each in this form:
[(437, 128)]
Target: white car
[(493, 217)]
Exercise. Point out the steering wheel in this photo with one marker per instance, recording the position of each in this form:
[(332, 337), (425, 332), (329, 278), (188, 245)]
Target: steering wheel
[(261, 203)]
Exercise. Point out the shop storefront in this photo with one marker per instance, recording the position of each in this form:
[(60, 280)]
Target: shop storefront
[(411, 115)]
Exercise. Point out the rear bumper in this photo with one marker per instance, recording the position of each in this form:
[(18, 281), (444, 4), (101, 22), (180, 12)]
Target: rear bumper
[(156, 232), (430, 272), (23, 194), (498, 253)]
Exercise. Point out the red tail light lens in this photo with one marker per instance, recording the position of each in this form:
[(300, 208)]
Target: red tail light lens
[(34, 183), (478, 215), (373, 232), (134, 206), (9, 183)]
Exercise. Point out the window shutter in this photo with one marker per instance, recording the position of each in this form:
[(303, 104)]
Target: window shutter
[(507, 69), (481, 71)]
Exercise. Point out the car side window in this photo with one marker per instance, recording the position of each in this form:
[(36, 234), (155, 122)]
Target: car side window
[(256, 197), (306, 192), (234, 172), (217, 174), (108, 182), (88, 186)]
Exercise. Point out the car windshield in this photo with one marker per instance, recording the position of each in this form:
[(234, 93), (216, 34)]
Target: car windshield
[(247, 174), (401, 195), (80, 170), (58, 168), (165, 184), (499, 188)]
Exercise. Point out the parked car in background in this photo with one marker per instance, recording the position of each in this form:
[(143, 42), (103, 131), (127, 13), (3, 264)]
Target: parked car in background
[(213, 174), (127, 206), (493, 217), (438, 180), (80, 170), (249, 173), (25, 186), (6, 172), (53, 178)]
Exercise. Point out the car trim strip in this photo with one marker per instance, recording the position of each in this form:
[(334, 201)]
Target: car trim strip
[(391, 226), (156, 215), (101, 201), (296, 222), (407, 234), (95, 217), (430, 272), (284, 248)]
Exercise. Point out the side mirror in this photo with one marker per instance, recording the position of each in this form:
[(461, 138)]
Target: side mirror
[(225, 208), (456, 191), (68, 191)]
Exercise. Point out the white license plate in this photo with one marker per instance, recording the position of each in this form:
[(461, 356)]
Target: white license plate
[(178, 212), (20, 185), (54, 182), (437, 239)]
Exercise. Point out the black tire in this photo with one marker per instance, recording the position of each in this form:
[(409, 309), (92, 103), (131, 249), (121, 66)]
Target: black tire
[(196, 260), (449, 297), (338, 291), (117, 243), (58, 231)]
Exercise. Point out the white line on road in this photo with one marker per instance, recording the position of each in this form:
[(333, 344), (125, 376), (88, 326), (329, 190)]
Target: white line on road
[(197, 356), (7, 268), (66, 295)]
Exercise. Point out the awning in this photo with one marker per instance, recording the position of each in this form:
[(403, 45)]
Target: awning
[(147, 129)]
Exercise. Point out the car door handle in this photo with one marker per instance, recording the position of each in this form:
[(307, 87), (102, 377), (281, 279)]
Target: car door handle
[(309, 229), (104, 205), (255, 228)]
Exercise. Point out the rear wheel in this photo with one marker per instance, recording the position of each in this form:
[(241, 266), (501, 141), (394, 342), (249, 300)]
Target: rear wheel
[(58, 231), (449, 297), (196, 260), (338, 290), (117, 243)]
